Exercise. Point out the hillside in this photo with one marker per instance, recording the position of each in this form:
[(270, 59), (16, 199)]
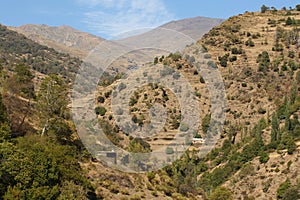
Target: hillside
[(193, 27), (18, 53), (76, 43), (257, 151), (258, 57), (64, 39), (16, 48)]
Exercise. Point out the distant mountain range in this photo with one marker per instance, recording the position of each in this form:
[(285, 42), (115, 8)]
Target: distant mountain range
[(193, 27), (69, 40)]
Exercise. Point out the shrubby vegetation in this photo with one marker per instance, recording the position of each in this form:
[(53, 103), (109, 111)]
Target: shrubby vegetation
[(223, 60), (263, 60), (44, 164), (43, 161), (190, 166), (35, 167), (41, 58)]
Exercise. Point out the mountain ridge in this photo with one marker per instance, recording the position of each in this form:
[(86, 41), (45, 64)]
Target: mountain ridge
[(77, 43), (62, 38)]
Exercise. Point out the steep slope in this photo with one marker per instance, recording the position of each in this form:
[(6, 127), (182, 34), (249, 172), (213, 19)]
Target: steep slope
[(258, 57), (17, 50), (194, 27), (257, 156), (79, 44), (62, 38)]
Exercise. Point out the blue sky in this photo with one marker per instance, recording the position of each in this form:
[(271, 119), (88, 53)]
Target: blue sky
[(109, 18)]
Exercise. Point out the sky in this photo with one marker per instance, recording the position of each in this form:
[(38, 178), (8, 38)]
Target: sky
[(110, 18)]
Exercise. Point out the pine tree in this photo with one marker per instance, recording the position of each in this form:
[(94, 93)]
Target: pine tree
[(275, 128), (264, 8)]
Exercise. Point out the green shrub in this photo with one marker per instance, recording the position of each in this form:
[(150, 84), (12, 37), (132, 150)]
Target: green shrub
[(233, 58), (207, 56), (169, 150), (212, 64), (206, 123), (221, 193), (291, 194), (100, 110), (264, 157), (283, 188), (133, 101), (250, 43), (291, 54), (223, 60), (264, 8), (235, 50), (277, 47), (290, 21), (101, 99), (121, 87), (155, 60), (264, 61), (262, 111), (184, 127), (175, 56), (203, 81)]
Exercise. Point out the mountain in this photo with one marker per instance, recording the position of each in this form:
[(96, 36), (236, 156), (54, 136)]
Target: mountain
[(256, 155), (259, 59), (193, 27), (257, 152), (79, 44), (41, 61), (62, 38)]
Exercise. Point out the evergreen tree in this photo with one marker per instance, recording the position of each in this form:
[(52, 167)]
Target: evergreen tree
[(5, 132), (21, 83), (52, 104), (3, 114), (264, 8), (275, 128)]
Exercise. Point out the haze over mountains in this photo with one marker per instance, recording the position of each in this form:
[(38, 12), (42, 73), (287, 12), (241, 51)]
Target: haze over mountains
[(79, 44)]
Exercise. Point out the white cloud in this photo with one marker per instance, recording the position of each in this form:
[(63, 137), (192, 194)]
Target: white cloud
[(114, 17)]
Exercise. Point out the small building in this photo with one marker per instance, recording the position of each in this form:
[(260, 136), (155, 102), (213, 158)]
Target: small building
[(198, 140)]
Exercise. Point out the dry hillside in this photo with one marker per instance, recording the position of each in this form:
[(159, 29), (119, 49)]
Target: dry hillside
[(257, 153), (258, 57)]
